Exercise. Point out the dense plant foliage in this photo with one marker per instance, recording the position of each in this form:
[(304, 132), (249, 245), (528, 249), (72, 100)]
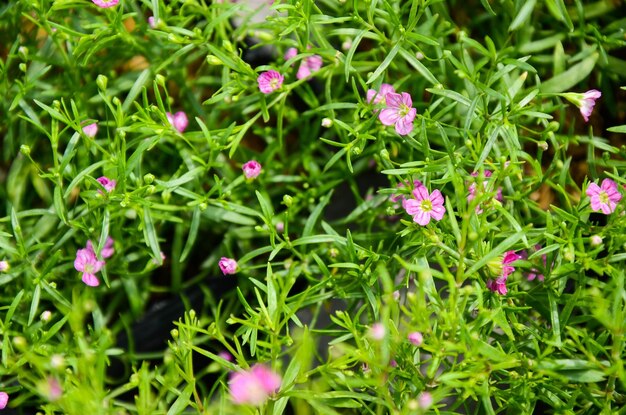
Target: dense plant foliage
[(377, 206)]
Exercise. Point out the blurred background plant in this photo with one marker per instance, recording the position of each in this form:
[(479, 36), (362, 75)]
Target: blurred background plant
[(333, 292)]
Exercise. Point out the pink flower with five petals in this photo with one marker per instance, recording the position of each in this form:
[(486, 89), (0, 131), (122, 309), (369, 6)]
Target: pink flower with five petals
[(399, 112), (423, 206), (604, 197)]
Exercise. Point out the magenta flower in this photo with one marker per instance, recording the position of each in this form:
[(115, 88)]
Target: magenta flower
[(399, 112), (87, 263), (506, 269), (108, 184), (251, 169), (423, 206), (107, 250), (308, 66), (472, 190), (153, 22), (270, 81), (225, 355), (104, 4), (91, 130), (498, 286), (290, 53), (253, 387), (604, 197), (588, 102), (378, 97), (228, 266), (415, 338), (4, 400), (179, 120)]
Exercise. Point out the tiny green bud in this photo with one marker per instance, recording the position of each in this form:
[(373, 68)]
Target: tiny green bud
[(327, 122), (102, 81), (148, 178), (25, 150), (553, 126), (22, 51), (116, 101), (214, 60), (174, 333), (23, 67), (543, 145), (287, 200)]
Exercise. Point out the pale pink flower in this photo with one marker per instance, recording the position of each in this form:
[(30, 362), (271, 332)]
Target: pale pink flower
[(378, 97), (251, 169), (415, 338), (534, 272), (424, 400), (105, 3), (108, 184), (91, 130), (225, 355), (472, 190), (228, 266), (4, 400), (308, 66), (53, 389), (178, 120), (377, 331), (604, 197), (423, 206), (107, 250), (4, 266), (399, 112), (290, 53), (270, 81), (153, 22), (596, 240), (87, 263), (588, 102), (253, 387)]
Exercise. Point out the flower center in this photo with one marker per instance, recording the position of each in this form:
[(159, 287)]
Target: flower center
[(604, 198), (426, 205), (88, 269), (274, 83), (404, 110)]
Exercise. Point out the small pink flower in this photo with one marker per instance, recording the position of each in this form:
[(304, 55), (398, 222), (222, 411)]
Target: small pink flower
[(225, 355), (153, 22), (228, 266), (105, 3), (270, 81), (472, 190), (251, 169), (424, 400), (107, 250), (53, 389), (399, 112), (415, 338), (378, 97), (393, 363), (309, 66), (4, 400), (588, 102), (91, 130), (498, 286), (534, 272), (596, 240), (87, 263), (423, 206), (179, 120), (253, 387), (377, 331), (4, 266), (604, 197), (108, 184), (290, 53), (280, 227)]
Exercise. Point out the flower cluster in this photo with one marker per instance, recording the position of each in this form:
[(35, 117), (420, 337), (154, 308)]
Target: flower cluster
[(88, 263), (499, 284), (424, 206), (254, 386), (398, 108)]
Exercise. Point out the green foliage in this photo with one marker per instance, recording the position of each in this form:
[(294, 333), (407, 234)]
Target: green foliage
[(325, 250)]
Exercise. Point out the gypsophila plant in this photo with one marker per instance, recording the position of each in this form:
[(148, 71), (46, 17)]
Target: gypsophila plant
[(297, 206)]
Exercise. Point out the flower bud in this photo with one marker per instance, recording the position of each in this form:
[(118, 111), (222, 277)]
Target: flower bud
[(102, 81)]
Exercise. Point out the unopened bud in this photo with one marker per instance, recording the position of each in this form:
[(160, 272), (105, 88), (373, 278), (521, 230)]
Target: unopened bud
[(102, 81)]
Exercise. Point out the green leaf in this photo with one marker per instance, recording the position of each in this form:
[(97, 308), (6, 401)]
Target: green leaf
[(568, 79), (193, 233), (182, 402), (523, 15), (419, 66), (150, 235), (34, 304)]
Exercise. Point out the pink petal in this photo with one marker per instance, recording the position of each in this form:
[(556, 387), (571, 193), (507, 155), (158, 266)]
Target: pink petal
[(421, 218), (406, 99), (421, 193), (393, 100), (438, 212), (411, 206), (592, 190), (90, 279), (436, 198), (404, 127), (389, 116)]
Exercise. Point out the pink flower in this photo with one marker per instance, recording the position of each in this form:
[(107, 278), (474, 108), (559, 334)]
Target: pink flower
[(377, 331), (153, 22), (107, 183), (53, 389), (4, 266), (506, 269), (498, 286), (472, 190), (179, 121), (588, 102), (225, 355), (107, 250), (308, 66), (415, 338), (87, 263), (254, 386), (91, 130), (378, 97), (534, 272), (4, 400), (424, 206), (399, 112), (105, 3), (251, 169), (604, 197), (270, 81), (290, 53), (424, 400), (228, 266)]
